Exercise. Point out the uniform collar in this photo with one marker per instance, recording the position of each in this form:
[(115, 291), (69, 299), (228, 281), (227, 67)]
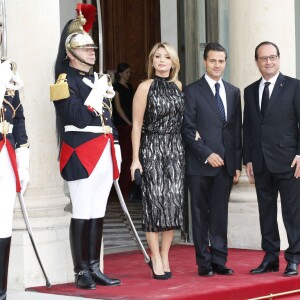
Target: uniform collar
[(79, 72)]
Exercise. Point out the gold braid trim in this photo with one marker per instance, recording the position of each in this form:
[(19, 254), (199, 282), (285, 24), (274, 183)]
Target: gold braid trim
[(12, 108), (108, 107)]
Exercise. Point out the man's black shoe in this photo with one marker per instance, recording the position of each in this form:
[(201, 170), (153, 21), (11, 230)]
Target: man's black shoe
[(291, 269), (221, 270), (266, 266), (205, 271)]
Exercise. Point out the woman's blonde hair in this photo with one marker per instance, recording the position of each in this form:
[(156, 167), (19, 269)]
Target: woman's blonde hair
[(173, 56)]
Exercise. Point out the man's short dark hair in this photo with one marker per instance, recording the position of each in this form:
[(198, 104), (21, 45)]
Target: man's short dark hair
[(266, 43), (214, 47)]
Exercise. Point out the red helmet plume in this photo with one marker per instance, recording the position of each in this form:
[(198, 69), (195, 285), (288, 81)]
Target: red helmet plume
[(89, 13)]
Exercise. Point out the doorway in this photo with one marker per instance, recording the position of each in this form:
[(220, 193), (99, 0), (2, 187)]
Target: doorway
[(130, 29)]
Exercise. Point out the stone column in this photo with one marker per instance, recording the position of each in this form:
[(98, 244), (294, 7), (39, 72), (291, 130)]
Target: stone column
[(33, 38), (252, 22), (169, 25), (189, 41)]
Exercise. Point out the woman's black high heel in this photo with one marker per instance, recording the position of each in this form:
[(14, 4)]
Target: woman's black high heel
[(159, 277), (168, 274)]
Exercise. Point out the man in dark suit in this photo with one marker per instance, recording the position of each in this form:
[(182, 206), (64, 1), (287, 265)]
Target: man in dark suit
[(211, 130), (271, 155)]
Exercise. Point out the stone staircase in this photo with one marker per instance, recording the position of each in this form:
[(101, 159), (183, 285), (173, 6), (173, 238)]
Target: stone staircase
[(117, 233)]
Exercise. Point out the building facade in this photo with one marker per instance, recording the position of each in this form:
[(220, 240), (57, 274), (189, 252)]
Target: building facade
[(33, 32)]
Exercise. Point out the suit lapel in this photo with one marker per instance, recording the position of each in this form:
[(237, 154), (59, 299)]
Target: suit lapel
[(209, 96), (229, 99), (256, 97)]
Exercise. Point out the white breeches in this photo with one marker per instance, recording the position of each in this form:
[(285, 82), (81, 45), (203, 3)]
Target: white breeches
[(7, 194), (89, 196)]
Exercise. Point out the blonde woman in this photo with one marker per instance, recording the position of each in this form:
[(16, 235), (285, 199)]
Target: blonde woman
[(158, 153)]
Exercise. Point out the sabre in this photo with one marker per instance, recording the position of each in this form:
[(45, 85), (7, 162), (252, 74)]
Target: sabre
[(122, 202), (4, 28), (26, 219), (100, 37)]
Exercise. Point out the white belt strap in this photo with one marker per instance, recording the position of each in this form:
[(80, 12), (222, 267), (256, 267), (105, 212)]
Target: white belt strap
[(6, 127), (93, 129)]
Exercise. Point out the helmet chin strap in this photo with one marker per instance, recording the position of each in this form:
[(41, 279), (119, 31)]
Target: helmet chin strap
[(80, 59)]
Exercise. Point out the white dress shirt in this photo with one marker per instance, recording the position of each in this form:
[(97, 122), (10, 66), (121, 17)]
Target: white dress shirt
[(262, 86), (222, 91)]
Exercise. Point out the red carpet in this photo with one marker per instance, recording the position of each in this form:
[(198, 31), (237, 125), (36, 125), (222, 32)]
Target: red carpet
[(185, 284)]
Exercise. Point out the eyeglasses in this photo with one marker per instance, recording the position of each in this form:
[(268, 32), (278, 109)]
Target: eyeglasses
[(271, 58)]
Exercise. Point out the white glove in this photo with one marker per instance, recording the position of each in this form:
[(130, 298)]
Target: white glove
[(8, 80), (118, 156), (22, 155), (18, 82), (6, 74), (100, 88)]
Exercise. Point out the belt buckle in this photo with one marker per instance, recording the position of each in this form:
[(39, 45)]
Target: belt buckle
[(5, 127), (106, 129)]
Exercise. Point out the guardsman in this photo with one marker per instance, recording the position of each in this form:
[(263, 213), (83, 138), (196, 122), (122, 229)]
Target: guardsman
[(14, 159), (90, 155)]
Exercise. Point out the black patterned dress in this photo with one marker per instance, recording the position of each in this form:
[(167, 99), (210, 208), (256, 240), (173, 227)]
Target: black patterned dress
[(162, 157)]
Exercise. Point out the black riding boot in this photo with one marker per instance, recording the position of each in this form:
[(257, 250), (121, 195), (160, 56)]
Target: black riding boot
[(79, 232), (95, 239), (4, 259)]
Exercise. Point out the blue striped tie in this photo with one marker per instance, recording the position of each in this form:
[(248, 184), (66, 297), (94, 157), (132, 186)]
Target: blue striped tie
[(219, 101)]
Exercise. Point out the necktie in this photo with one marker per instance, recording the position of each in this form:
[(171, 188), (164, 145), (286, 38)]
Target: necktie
[(265, 99), (219, 101)]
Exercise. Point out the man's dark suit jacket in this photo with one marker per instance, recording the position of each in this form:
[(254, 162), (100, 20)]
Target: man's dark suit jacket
[(203, 115), (276, 138)]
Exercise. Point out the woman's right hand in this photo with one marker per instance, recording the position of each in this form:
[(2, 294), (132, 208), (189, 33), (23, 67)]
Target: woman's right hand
[(135, 165)]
